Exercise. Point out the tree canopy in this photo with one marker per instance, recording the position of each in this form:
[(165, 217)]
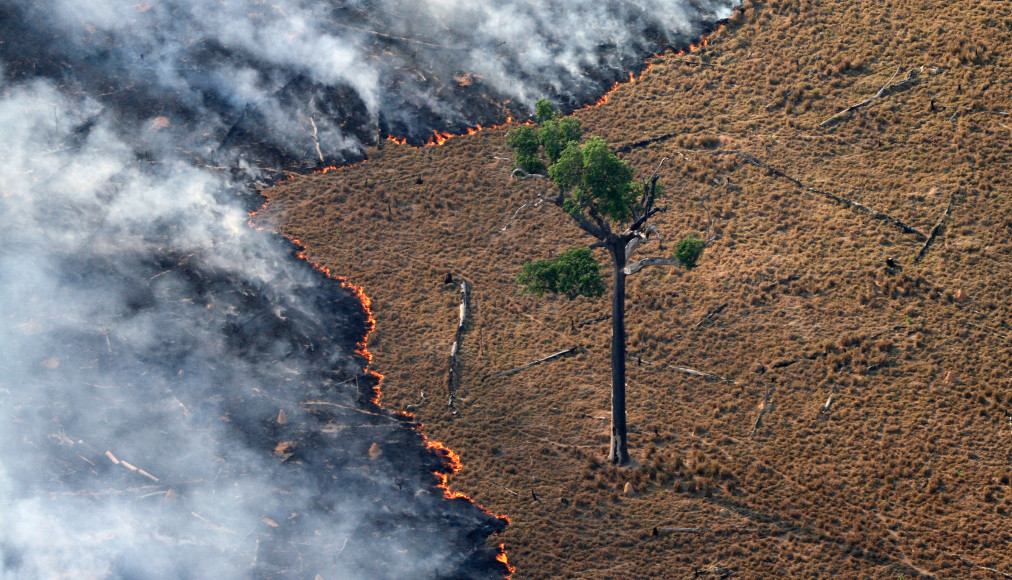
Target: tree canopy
[(598, 190), (573, 273)]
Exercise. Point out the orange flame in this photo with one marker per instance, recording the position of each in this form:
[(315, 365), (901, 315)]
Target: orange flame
[(439, 138), (501, 557), (705, 40)]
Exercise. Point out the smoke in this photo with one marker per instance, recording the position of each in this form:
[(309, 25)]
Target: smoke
[(306, 82), (181, 396)]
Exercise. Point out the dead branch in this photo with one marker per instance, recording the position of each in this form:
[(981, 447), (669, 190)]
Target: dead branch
[(316, 138), (981, 566), (829, 402), (455, 347), (684, 370), (515, 494), (711, 314), (515, 370), (849, 202), (657, 169), (934, 232), (641, 238), (711, 233), (763, 409), (646, 262), (887, 88), (592, 321), (696, 373), (519, 173)]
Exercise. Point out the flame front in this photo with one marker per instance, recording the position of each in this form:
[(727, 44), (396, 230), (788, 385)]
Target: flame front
[(501, 557)]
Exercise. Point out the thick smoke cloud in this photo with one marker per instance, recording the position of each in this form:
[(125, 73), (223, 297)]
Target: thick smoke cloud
[(307, 82), (180, 395)]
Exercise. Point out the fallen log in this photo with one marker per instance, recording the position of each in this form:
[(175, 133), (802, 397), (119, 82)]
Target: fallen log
[(711, 314), (451, 375), (934, 232), (515, 370), (684, 370), (763, 409), (848, 202), (887, 88)]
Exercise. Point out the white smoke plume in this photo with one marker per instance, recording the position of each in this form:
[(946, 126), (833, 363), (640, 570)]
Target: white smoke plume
[(272, 80), (180, 395)]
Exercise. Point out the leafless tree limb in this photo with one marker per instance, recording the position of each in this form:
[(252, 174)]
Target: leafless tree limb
[(642, 237), (646, 262)]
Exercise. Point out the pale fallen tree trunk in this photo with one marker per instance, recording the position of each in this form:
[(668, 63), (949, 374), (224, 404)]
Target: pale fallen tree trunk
[(451, 375), (515, 370)]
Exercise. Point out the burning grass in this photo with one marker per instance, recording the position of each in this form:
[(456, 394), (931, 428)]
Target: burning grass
[(907, 472)]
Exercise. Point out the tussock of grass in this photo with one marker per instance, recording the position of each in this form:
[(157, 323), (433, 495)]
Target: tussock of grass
[(906, 469)]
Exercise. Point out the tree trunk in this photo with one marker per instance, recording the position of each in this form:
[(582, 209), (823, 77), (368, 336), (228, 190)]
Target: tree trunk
[(618, 453)]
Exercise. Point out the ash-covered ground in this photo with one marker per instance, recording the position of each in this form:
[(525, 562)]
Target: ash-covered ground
[(182, 396)]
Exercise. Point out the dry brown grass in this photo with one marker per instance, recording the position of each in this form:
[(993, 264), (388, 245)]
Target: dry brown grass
[(907, 474)]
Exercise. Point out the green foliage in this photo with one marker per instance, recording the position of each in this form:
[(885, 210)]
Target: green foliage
[(588, 176), (556, 134), (545, 110), (523, 140), (567, 172), (688, 251), (607, 181), (573, 273)]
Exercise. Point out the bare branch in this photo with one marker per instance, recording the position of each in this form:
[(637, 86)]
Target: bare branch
[(642, 237), (653, 176), (531, 204), (711, 234), (519, 173), (636, 225), (646, 262)]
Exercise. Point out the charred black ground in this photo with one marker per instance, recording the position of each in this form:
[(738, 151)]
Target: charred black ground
[(420, 63), (323, 440)]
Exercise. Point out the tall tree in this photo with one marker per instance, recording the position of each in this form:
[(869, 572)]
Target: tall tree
[(600, 195)]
